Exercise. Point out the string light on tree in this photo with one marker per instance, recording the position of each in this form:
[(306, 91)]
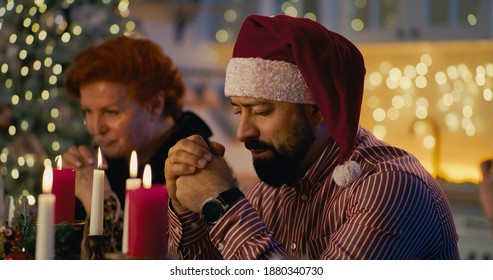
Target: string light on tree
[(41, 39)]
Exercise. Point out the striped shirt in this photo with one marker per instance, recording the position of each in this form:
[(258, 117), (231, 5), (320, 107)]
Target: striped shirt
[(395, 210)]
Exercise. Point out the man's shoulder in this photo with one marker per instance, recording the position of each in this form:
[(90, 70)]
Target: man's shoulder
[(377, 156), (375, 151)]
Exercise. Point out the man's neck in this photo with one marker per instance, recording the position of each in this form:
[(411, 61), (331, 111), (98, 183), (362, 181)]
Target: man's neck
[(322, 139)]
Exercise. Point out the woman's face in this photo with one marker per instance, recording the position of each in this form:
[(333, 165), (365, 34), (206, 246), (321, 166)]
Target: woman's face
[(118, 123)]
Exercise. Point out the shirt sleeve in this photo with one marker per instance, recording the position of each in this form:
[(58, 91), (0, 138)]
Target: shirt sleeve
[(391, 215), (239, 234), (242, 235), (189, 237)]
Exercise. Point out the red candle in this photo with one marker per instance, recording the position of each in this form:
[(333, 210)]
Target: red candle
[(64, 191), (148, 220)]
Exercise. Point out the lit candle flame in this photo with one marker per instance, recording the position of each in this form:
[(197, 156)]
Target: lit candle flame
[(58, 160), (133, 164), (147, 177), (47, 179), (100, 158)]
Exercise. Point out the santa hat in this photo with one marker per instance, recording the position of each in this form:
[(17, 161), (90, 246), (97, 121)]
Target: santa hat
[(297, 60)]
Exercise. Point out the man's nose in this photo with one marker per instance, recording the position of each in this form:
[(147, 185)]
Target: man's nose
[(246, 129)]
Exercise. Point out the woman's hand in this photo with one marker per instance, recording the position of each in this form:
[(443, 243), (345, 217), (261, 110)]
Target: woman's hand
[(84, 161)]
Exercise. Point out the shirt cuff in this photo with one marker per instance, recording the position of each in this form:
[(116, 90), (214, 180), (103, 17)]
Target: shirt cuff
[(240, 223), (185, 228)]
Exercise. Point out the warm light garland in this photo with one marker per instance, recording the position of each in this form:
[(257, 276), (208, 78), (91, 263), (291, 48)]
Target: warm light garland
[(41, 38), (432, 99)]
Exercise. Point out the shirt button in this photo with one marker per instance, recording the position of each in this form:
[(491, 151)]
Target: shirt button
[(220, 246), (293, 246), (304, 197), (193, 225), (177, 230)]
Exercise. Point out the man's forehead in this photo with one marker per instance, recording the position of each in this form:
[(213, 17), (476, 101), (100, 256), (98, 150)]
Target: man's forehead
[(251, 101)]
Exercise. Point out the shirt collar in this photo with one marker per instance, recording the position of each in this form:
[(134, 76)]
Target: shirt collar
[(321, 169)]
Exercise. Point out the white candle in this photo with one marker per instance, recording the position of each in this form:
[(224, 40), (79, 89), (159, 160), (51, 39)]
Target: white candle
[(132, 183), (45, 235), (97, 201), (9, 202)]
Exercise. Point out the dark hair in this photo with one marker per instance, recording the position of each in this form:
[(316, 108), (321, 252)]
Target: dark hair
[(137, 63)]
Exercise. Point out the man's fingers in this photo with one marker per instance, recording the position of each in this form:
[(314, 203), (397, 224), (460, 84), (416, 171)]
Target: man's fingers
[(199, 140), (217, 149), (192, 144), (188, 151), (174, 170)]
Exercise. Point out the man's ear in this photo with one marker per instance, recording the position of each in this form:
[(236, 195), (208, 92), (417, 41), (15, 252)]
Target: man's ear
[(318, 116)]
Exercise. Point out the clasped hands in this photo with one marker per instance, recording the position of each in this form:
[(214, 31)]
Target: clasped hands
[(194, 172)]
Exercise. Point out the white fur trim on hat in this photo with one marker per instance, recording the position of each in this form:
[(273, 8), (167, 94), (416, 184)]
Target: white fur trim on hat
[(346, 173), (267, 79)]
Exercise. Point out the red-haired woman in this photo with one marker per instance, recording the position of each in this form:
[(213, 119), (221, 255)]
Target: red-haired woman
[(130, 93)]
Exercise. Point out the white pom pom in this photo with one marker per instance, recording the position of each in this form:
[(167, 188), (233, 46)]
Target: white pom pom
[(346, 173)]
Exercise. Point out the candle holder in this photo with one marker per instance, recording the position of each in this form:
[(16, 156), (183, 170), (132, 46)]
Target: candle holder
[(68, 238), (96, 247)]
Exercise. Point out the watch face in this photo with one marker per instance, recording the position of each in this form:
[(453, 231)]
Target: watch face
[(211, 211)]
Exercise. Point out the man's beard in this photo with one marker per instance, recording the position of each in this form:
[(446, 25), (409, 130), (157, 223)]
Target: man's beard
[(283, 165)]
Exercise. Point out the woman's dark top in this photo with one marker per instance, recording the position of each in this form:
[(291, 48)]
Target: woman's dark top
[(118, 168)]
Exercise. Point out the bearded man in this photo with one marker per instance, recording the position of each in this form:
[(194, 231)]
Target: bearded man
[(328, 188)]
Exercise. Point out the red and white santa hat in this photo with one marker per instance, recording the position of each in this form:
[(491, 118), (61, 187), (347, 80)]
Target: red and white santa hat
[(297, 60)]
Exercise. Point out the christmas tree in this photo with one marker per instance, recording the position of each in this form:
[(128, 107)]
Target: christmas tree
[(38, 40)]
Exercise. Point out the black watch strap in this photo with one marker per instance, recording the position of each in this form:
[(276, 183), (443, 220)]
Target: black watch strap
[(231, 196), (214, 208)]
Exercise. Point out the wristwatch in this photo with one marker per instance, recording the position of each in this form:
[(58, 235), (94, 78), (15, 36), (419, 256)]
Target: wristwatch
[(214, 208)]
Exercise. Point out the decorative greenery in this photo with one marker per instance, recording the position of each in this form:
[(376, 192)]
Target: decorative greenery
[(68, 239), (22, 238), (24, 233)]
